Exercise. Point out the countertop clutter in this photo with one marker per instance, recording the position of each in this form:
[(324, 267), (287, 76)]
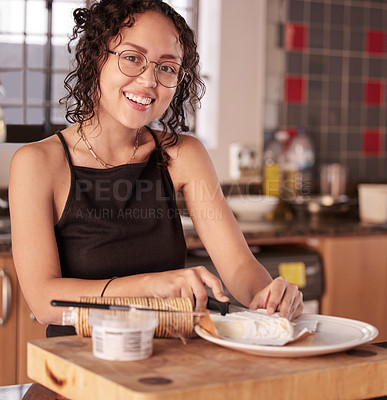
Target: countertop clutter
[(302, 225)]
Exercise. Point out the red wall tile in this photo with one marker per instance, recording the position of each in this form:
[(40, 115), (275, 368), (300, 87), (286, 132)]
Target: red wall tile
[(294, 89), (375, 42), (373, 93), (295, 36), (372, 142)]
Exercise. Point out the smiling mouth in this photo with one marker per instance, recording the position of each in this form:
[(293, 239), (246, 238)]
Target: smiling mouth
[(144, 101)]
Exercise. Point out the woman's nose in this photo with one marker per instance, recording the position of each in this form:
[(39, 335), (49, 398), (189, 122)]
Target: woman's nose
[(148, 77)]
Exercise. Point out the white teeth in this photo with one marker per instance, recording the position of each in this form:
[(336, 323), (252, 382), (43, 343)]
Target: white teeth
[(138, 99)]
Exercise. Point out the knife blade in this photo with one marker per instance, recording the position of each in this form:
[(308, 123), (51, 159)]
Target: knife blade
[(223, 307)]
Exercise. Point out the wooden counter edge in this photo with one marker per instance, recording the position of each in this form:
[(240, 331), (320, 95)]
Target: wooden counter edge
[(61, 376), (70, 380)]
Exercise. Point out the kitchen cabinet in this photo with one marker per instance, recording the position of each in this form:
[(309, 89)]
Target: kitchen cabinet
[(355, 276), (8, 325), (18, 326)]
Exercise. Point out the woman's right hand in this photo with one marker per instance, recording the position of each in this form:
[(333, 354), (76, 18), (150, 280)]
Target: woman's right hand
[(187, 282)]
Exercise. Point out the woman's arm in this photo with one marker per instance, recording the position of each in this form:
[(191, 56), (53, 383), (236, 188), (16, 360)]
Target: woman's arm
[(248, 281), (36, 176), (31, 195)]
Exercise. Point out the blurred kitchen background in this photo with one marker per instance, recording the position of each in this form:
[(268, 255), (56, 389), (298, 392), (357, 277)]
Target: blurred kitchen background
[(326, 71), (319, 65), (295, 108)]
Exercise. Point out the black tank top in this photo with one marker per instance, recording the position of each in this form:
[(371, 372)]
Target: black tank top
[(119, 221)]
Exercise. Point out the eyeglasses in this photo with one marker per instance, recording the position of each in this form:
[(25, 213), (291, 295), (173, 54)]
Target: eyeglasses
[(133, 63)]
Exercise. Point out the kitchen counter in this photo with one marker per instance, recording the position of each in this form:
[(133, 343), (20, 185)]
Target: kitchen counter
[(298, 230), (5, 248), (5, 232)]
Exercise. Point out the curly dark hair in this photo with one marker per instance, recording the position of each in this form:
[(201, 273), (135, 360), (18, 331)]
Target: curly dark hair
[(94, 27)]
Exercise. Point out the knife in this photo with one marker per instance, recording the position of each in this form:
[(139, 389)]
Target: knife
[(212, 304), (223, 307), (120, 307)]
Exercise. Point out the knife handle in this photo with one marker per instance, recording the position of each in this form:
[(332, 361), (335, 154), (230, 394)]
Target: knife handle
[(216, 305)]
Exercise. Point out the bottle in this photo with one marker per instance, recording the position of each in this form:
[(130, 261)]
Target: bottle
[(243, 161), (298, 167), (3, 126), (273, 159)]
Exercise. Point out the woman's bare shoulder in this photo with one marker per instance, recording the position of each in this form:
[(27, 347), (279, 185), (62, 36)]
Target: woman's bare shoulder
[(42, 157), (188, 139), (187, 146), (189, 161)]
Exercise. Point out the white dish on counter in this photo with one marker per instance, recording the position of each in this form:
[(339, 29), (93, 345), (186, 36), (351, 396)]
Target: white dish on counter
[(248, 207), (333, 334)]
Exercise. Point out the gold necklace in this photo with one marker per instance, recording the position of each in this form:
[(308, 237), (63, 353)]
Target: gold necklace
[(102, 162)]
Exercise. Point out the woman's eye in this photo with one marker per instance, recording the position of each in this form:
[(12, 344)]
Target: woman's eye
[(133, 59), (169, 69)]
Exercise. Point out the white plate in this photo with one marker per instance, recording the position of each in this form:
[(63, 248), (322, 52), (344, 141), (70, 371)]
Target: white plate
[(333, 334)]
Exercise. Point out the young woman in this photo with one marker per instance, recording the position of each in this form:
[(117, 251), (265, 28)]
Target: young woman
[(97, 200)]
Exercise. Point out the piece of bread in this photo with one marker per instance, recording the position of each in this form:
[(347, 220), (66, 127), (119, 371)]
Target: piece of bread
[(206, 323)]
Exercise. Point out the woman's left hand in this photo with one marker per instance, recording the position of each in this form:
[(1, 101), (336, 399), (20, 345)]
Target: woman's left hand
[(279, 295)]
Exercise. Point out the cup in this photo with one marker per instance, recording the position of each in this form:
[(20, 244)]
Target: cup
[(373, 203), (122, 335), (333, 179)]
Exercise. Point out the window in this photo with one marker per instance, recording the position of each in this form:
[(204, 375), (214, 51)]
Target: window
[(31, 70), (34, 59), (188, 9)]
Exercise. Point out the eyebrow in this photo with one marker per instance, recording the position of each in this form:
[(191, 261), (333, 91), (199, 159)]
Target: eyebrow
[(143, 50)]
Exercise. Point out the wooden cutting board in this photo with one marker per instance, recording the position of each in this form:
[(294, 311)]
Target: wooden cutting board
[(201, 370)]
